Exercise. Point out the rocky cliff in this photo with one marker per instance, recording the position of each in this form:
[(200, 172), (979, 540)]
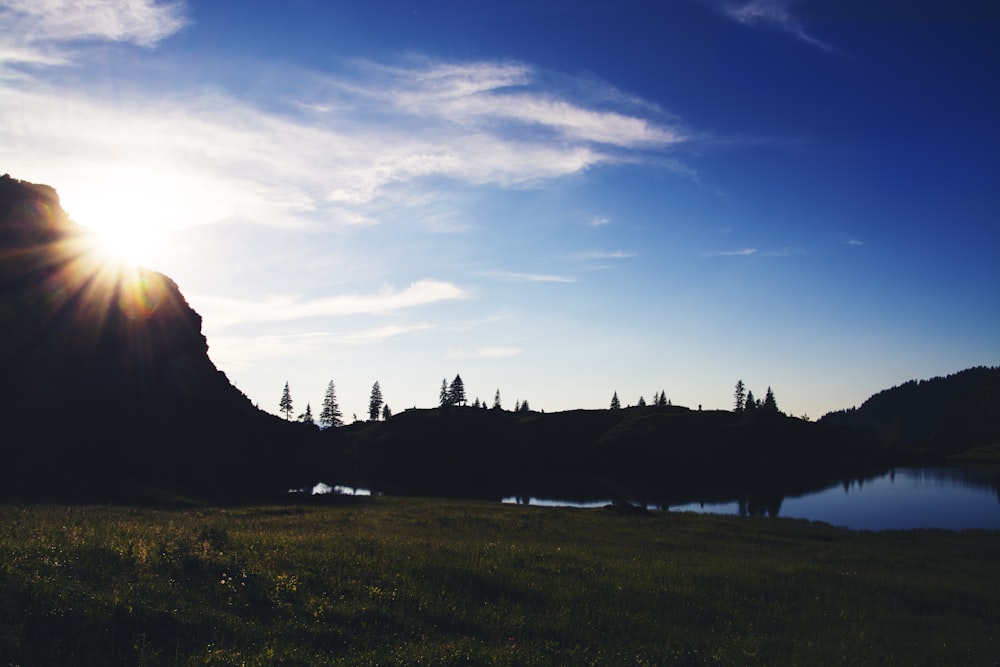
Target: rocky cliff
[(108, 390)]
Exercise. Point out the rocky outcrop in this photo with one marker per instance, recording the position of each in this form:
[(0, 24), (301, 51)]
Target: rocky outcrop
[(108, 390)]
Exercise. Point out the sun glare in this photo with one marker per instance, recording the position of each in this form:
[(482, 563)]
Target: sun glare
[(127, 209), (132, 208)]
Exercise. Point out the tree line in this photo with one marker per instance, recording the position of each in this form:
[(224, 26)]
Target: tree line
[(745, 401), (453, 393), (331, 416), (659, 399)]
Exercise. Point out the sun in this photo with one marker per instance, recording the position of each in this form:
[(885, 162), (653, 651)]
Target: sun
[(127, 209), (124, 240)]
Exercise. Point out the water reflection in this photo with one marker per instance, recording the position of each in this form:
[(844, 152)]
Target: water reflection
[(900, 498)]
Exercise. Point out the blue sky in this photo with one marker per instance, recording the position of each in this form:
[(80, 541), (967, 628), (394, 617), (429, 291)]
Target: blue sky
[(558, 200)]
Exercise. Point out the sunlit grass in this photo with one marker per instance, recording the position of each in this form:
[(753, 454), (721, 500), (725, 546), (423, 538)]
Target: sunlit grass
[(420, 582)]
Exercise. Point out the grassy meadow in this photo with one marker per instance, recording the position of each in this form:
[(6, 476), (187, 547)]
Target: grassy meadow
[(392, 581)]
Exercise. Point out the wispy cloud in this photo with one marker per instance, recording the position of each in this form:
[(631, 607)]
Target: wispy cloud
[(775, 14), (237, 353), (855, 242), (604, 254), (318, 155), (599, 221), (35, 31), (222, 312), (471, 93), (788, 251), (741, 252), (487, 352), (516, 277)]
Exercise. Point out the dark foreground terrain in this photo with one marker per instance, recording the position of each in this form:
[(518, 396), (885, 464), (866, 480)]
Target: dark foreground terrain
[(430, 582)]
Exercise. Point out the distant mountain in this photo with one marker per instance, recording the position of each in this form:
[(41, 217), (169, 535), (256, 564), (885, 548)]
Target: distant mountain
[(943, 415), (107, 388)]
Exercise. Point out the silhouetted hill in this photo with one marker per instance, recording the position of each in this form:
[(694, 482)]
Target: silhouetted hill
[(942, 415), (470, 451), (107, 385), (489, 453)]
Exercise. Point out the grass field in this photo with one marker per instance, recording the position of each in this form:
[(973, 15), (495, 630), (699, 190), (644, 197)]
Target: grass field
[(432, 582)]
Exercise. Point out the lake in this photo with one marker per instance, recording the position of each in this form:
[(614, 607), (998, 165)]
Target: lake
[(952, 498)]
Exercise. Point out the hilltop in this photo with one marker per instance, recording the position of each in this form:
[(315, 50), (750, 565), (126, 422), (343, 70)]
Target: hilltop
[(108, 388), (658, 453)]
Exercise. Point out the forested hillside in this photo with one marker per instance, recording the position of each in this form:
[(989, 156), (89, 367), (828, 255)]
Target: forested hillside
[(944, 414)]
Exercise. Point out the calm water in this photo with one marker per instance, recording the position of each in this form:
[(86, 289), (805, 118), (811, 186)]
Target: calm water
[(950, 498)]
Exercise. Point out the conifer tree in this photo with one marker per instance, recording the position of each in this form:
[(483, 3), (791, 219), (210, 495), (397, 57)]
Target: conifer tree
[(375, 402), (524, 406), (517, 405), (642, 402), (307, 416), (662, 400), (330, 415), (751, 404), (386, 412), (740, 395), (456, 392), (769, 405), (496, 401), (285, 405), (615, 403), (443, 395)]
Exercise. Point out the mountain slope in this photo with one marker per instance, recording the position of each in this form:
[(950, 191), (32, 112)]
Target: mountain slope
[(942, 415), (108, 386)]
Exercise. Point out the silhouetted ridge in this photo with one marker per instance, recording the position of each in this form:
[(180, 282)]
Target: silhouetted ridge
[(653, 452), (944, 414), (108, 388)]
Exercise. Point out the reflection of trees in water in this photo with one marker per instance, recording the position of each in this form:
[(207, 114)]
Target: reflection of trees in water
[(984, 479), (760, 506)]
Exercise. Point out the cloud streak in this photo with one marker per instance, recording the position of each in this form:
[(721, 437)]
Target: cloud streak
[(222, 312), (35, 29), (322, 161), (741, 252), (516, 277), (237, 353), (775, 14), (604, 254)]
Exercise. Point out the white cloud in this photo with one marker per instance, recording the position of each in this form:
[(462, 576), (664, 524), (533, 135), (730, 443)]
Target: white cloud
[(855, 242), (599, 221), (351, 218), (326, 161), (604, 254), (476, 93), (34, 29), (742, 252), (221, 312), (236, 353), (773, 13), (514, 276)]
